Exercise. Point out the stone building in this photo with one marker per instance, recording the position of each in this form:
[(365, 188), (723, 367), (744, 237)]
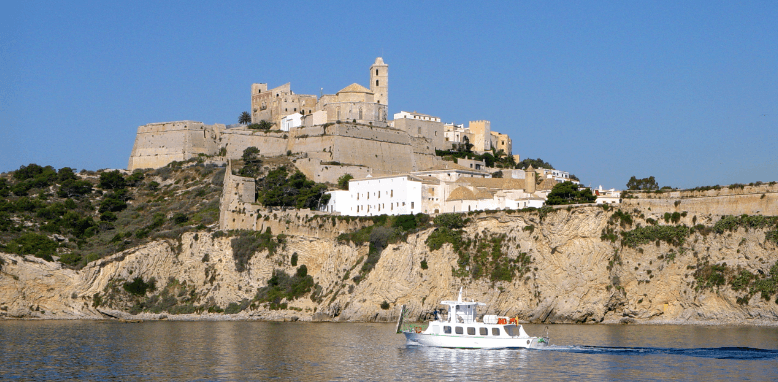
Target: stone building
[(354, 103)]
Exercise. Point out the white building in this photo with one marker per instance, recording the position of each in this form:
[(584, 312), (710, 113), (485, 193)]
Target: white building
[(435, 191), (291, 121), (387, 195), (415, 115), (607, 196)]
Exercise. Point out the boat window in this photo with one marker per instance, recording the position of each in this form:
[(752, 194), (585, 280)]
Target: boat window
[(458, 330), (471, 331), (484, 331), (447, 329), (512, 330), (495, 331)]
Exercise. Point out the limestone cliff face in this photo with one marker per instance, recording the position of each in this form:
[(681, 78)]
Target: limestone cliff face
[(574, 275)]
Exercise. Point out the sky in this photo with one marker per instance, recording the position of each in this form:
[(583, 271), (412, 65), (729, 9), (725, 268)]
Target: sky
[(685, 91)]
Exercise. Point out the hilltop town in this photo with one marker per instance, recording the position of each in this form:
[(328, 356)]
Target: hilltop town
[(398, 166), (322, 208)]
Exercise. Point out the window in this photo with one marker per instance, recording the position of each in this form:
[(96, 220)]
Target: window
[(391, 193), (447, 330), (376, 73), (376, 82), (379, 194), (484, 331), (495, 331), (470, 331), (458, 330), (411, 205), (360, 113)]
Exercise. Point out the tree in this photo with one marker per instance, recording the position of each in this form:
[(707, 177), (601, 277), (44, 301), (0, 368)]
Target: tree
[(536, 163), (343, 181), (250, 154), (71, 188), (110, 180), (648, 184), (245, 118), (569, 193)]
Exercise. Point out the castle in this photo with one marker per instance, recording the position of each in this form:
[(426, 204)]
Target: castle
[(343, 133)]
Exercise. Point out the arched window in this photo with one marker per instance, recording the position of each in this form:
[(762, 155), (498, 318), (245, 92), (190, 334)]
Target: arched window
[(376, 72), (376, 82)]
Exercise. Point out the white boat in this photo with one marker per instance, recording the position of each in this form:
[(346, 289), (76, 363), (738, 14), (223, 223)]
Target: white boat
[(460, 329)]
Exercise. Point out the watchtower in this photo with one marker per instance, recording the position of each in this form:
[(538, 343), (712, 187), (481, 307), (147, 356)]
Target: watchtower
[(379, 81)]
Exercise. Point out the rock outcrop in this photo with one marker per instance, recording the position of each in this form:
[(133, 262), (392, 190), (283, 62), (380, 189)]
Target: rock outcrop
[(576, 275)]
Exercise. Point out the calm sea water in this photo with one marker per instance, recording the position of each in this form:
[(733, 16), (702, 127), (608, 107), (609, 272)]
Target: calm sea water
[(191, 351)]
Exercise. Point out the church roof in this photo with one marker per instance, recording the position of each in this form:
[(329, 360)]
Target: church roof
[(494, 183), (355, 88), (461, 193)]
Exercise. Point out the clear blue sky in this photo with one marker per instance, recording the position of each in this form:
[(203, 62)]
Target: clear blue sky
[(686, 91)]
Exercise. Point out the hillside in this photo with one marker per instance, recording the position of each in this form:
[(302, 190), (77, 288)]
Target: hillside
[(578, 264)]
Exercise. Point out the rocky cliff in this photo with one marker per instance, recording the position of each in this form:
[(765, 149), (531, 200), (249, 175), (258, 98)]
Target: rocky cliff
[(583, 264)]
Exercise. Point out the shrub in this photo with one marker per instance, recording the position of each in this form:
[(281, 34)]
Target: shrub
[(450, 221), (294, 259), (247, 243), (440, 236), (138, 287), (31, 243), (424, 264), (385, 305), (111, 180), (179, 218), (343, 181), (673, 235), (281, 286)]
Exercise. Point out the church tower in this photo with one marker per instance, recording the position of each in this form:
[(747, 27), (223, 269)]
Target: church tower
[(379, 81)]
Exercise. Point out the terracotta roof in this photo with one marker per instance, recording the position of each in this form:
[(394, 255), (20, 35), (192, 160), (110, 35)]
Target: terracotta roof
[(483, 194), (494, 183), (461, 193), (355, 88), (446, 165)]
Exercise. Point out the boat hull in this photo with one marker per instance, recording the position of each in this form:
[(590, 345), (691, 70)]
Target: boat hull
[(473, 342)]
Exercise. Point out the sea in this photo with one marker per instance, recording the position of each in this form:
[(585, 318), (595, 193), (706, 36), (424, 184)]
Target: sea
[(302, 351)]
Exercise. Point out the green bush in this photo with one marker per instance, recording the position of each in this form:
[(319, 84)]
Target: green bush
[(385, 305), (443, 235), (343, 181), (450, 221), (673, 235), (247, 243), (139, 287), (31, 243), (282, 286), (112, 180)]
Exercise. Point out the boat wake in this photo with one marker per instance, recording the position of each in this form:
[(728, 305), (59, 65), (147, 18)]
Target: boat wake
[(737, 353)]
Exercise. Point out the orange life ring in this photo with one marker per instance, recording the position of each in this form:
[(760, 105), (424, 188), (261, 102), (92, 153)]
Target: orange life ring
[(418, 329), (501, 321), (513, 321)]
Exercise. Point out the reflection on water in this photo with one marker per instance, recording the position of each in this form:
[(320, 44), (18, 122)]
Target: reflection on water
[(85, 350)]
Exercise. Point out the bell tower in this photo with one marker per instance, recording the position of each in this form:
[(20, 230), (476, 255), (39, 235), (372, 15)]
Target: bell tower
[(379, 81)]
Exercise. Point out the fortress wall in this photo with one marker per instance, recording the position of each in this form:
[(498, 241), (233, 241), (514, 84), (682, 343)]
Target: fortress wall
[(374, 133), (751, 204), (312, 130), (313, 145), (373, 153), (745, 190), (158, 144), (269, 144), (431, 130), (331, 173)]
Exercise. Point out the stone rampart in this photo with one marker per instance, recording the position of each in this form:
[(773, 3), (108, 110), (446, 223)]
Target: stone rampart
[(752, 200), (268, 143), (158, 144)]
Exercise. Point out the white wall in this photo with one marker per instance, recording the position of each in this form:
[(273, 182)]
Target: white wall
[(378, 196)]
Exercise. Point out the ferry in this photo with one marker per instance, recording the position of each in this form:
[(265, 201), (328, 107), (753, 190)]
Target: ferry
[(460, 329)]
